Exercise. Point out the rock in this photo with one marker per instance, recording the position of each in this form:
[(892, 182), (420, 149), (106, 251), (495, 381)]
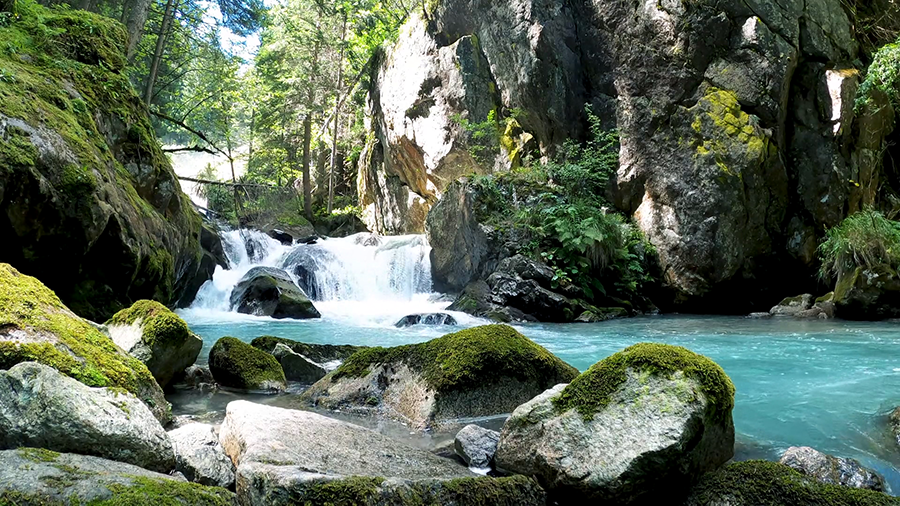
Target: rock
[(236, 364), (759, 316), (157, 337), (832, 470), (894, 424), (793, 306), (602, 314), (868, 294), (526, 268), (475, 372), (41, 407), (532, 299), (289, 457), (426, 319), (476, 445), (330, 355), (640, 426), (297, 367), (200, 457), (36, 476), (265, 291), (340, 225), (281, 236), (756, 482), (89, 201), (38, 327), (826, 304), (304, 261), (477, 300), (198, 376)]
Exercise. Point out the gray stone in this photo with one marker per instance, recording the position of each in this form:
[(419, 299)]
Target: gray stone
[(266, 291), (328, 356), (426, 319), (793, 306), (42, 477), (200, 457), (42, 408), (832, 470), (476, 445), (297, 367)]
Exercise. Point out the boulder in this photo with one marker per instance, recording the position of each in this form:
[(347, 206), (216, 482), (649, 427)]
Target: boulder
[(478, 300), (476, 445), (426, 319), (793, 306), (266, 291), (305, 261), (36, 326), (42, 477), (528, 296), (868, 294), (297, 367), (602, 314), (236, 364), (200, 457), (281, 236), (475, 372), (41, 407), (157, 337), (288, 457), (328, 355), (756, 482), (640, 426), (198, 376), (894, 425), (832, 470)]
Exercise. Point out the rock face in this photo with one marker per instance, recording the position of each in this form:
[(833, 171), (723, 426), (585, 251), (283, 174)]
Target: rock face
[(297, 367), (41, 407), (36, 326), (157, 337), (236, 364), (200, 457), (481, 371), (476, 445), (832, 470), (640, 426), (84, 174), (426, 319), (289, 457), (265, 291), (757, 482), (35, 476)]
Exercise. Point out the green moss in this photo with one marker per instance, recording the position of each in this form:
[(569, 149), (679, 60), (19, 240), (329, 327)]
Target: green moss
[(80, 351), (146, 491), (38, 454), (236, 364), (486, 491), (593, 390), (344, 492), (159, 324), (468, 358), (763, 483)]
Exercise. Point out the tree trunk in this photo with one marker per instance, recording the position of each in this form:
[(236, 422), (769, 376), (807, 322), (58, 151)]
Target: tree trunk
[(161, 38), (137, 17), (307, 186), (337, 122)]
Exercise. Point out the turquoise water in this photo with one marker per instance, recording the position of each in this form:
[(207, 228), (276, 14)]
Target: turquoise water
[(825, 384)]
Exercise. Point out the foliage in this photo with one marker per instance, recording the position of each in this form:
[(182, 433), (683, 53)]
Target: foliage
[(884, 75), (866, 239), (875, 22)]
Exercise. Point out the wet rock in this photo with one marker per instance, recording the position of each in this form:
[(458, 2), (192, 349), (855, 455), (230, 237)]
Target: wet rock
[(157, 337), (41, 407), (36, 476), (481, 371), (297, 367), (640, 426), (281, 236), (198, 376), (328, 355), (868, 294), (832, 470), (793, 306), (266, 291), (236, 364), (426, 319), (476, 445), (304, 261), (200, 457), (602, 314)]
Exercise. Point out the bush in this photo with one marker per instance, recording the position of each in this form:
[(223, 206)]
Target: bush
[(883, 74), (865, 239)]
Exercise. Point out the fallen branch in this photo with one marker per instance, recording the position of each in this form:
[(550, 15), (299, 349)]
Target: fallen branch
[(223, 183), (198, 133), (198, 149)]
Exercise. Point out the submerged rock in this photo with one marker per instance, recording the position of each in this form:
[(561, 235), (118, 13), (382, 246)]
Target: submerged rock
[(756, 482), (36, 326), (480, 371), (319, 353), (30, 476), (640, 426), (266, 291), (157, 337), (297, 367), (832, 470), (41, 407), (236, 364), (288, 457), (476, 445), (200, 457), (426, 319)]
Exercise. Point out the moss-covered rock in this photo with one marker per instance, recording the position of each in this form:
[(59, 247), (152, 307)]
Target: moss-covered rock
[(83, 173), (236, 364), (480, 371), (321, 353), (35, 326), (760, 483), (157, 337), (868, 294), (266, 291)]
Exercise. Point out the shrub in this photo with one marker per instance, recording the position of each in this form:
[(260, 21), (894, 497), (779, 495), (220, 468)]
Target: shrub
[(865, 239), (883, 74)]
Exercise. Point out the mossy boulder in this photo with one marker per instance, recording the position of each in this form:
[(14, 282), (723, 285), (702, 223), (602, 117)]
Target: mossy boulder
[(480, 371), (760, 483), (640, 426), (157, 337), (88, 198), (35, 326), (236, 364), (266, 291), (37, 477), (320, 353), (868, 294)]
